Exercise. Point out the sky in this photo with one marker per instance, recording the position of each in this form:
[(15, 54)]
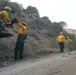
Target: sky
[(55, 10)]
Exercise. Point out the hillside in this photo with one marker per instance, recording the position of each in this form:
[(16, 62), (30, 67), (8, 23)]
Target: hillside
[(37, 42), (41, 33)]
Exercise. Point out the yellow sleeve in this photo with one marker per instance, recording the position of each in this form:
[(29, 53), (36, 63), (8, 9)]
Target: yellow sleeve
[(17, 31), (6, 17), (57, 40), (21, 25), (70, 41), (64, 39)]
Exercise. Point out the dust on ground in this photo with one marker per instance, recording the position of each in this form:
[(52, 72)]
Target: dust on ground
[(55, 64)]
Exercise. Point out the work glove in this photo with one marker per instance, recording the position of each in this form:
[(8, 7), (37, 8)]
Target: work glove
[(9, 24), (14, 20)]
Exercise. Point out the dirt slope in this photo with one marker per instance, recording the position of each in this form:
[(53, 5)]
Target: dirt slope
[(59, 64)]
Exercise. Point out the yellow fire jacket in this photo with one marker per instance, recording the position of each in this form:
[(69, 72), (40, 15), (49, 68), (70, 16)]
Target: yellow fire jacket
[(22, 30), (68, 41), (4, 16), (60, 38)]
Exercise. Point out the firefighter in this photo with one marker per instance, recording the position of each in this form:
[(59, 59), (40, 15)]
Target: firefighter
[(61, 39), (69, 42), (4, 18), (22, 35)]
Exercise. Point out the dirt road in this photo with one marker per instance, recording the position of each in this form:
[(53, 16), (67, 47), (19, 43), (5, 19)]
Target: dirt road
[(57, 64)]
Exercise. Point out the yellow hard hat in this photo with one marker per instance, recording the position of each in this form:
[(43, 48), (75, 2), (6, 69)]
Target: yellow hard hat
[(61, 33), (25, 24), (7, 8)]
